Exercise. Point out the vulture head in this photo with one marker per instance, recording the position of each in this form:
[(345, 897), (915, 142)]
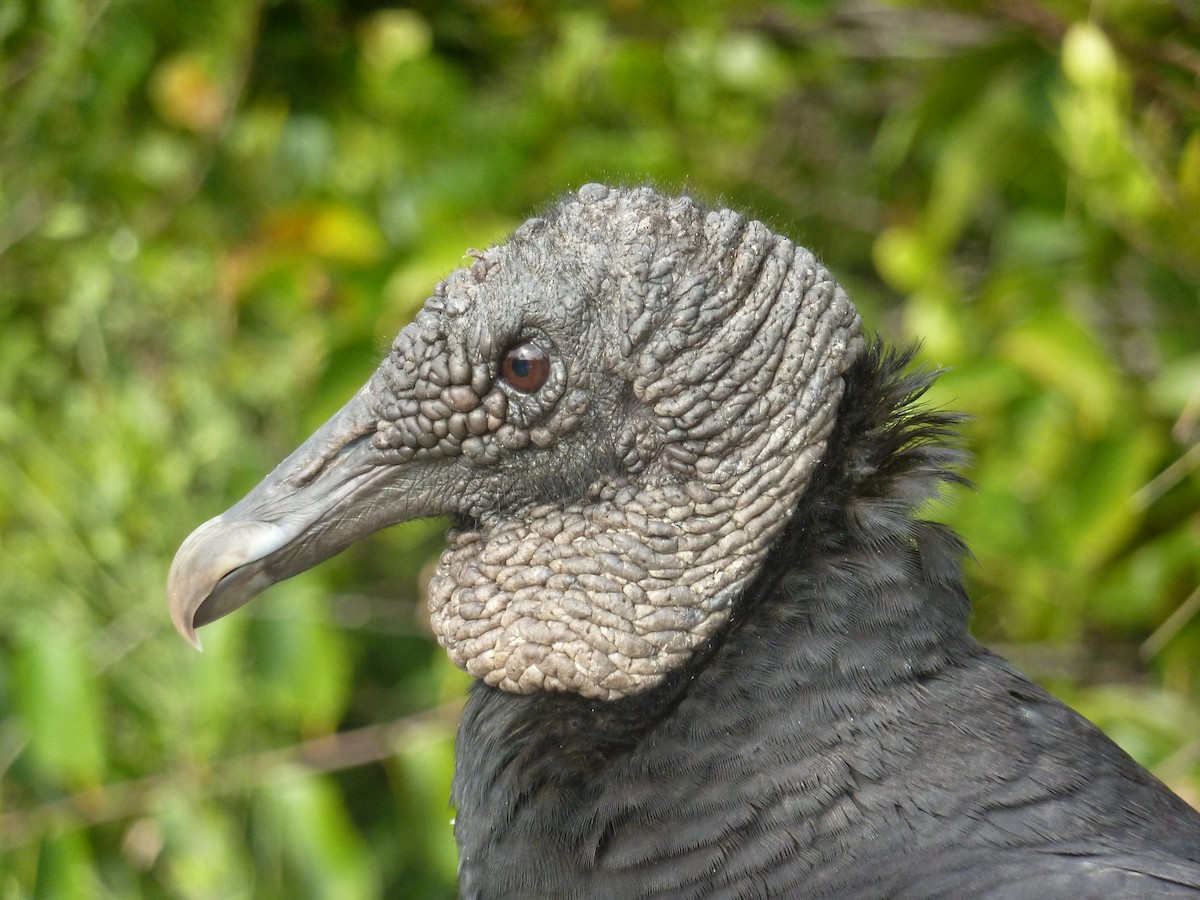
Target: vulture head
[(619, 409)]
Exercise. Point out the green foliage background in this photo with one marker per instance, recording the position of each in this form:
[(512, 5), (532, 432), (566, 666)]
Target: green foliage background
[(214, 216)]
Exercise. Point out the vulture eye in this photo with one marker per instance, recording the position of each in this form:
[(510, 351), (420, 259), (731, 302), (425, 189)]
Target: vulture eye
[(526, 367)]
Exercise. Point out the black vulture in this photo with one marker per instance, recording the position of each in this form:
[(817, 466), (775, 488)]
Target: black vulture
[(718, 651)]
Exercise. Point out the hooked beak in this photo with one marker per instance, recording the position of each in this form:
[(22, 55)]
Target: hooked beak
[(329, 493)]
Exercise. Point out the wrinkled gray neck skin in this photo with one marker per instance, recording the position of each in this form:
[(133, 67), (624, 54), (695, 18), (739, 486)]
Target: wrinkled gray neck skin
[(615, 514)]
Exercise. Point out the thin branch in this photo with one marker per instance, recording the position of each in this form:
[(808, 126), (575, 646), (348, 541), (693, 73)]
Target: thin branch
[(1168, 629), (1167, 478), (237, 775)]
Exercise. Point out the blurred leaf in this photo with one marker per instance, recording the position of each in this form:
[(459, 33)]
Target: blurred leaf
[(1095, 140), (203, 850), (394, 36), (1102, 516), (905, 257), (59, 704), (425, 765), (65, 869), (1055, 349), (303, 663), (186, 94), (331, 231), (1176, 390), (307, 818), (1139, 588)]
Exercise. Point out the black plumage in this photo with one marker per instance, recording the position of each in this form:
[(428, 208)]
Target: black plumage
[(720, 653)]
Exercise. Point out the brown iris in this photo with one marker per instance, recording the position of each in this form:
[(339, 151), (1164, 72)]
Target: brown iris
[(526, 367)]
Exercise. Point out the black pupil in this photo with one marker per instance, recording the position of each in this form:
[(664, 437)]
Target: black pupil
[(526, 367)]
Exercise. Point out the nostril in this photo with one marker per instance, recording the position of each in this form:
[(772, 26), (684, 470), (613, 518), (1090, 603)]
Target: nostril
[(353, 445), (309, 469)]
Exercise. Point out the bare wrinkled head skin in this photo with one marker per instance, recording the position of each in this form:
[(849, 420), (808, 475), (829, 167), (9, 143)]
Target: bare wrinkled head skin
[(608, 519)]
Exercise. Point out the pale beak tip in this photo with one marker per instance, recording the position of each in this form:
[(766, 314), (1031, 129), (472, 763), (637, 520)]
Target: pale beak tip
[(180, 619), (190, 635)]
